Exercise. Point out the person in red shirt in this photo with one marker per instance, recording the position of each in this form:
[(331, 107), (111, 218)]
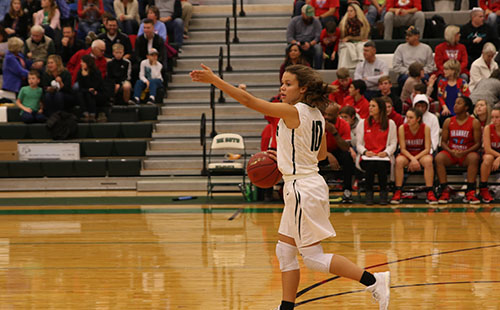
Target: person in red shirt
[(330, 38), (338, 138), (342, 86), (415, 145), (460, 140), (96, 51), (491, 12), (491, 157), (451, 49), (403, 13), (391, 113), (356, 98)]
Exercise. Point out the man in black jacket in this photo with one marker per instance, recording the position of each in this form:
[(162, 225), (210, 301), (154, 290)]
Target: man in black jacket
[(149, 40), (475, 34), (171, 15), (69, 44), (113, 36)]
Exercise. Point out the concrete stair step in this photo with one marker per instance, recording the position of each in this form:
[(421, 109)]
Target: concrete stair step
[(248, 64), (191, 147), (222, 110), (174, 183), (250, 85), (255, 8), (265, 78), (204, 51), (185, 129), (205, 93), (219, 37), (250, 22)]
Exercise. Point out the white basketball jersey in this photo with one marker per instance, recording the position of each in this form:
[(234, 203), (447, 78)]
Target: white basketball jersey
[(298, 148)]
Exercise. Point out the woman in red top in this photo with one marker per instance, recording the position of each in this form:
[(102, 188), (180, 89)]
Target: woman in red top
[(451, 49), (491, 157), (460, 140), (376, 144), (415, 145)]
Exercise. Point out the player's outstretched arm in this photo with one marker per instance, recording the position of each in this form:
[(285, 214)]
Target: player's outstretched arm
[(275, 109)]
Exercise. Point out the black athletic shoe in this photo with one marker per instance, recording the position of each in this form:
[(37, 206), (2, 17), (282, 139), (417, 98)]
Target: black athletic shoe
[(347, 197)]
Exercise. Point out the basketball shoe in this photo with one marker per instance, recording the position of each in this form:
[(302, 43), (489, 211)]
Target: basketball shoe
[(431, 198), (471, 198), (485, 195), (381, 289), (396, 198)]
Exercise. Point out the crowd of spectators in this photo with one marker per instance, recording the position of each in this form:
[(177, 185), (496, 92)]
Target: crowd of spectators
[(441, 112), (101, 52)]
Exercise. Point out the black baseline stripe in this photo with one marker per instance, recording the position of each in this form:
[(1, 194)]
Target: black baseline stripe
[(307, 289), (235, 214), (393, 287)]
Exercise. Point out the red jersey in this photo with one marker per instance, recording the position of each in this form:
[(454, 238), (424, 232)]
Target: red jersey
[(322, 6), (461, 137), (495, 139), (375, 138), (344, 131), (403, 4), (415, 143), (361, 106), (339, 95)]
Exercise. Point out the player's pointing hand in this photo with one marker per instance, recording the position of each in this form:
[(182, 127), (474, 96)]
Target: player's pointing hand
[(204, 76)]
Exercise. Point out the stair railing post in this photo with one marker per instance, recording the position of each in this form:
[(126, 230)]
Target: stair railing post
[(203, 142), (212, 107), (221, 73), (228, 44), (242, 13)]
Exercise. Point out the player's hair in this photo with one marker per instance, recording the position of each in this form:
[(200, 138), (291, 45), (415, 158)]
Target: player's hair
[(415, 69), (420, 87), (468, 103), (359, 85), (384, 78), (317, 90), (382, 114), (418, 114), (488, 111), (342, 73), (349, 110)]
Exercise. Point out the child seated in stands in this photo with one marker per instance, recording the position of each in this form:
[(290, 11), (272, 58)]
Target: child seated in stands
[(348, 114), (415, 145), (330, 38), (460, 140), (29, 100), (150, 77), (385, 89), (451, 87), (491, 157), (416, 75), (119, 70), (342, 86), (391, 113)]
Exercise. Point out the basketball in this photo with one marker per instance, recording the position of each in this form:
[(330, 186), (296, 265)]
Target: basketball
[(263, 171)]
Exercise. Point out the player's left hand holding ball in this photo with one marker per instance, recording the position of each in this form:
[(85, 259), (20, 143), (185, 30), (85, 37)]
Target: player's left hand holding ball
[(203, 76)]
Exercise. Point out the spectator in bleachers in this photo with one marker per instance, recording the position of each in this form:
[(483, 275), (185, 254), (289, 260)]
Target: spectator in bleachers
[(391, 113), (370, 69), (150, 77), (376, 11), (348, 114), (354, 31), (171, 15), (113, 36), (38, 47), (415, 146), (127, 13), (293, 57), (187, 13), (385, 89), (412, 51), (119, 72), (416, 76), (89, 13), (150, 38), (338, 138), (475, 34), (421, 103), (491, 11), (341, 85), (376, 138), (488, 89), (450, 88), (15, 66), (56, 84), (483, 66), (491, 157), (16, 21), (49, 18), (4, 46), (90, 87), (326, 10), (460, 141), (305, 30), (403, 13), (159, 27), (451, 49), (330, 38), (4, 9), (96, 51), (482, 112), (30, 7), (109, 7), (357, 99), (30, 100), (69, 44)]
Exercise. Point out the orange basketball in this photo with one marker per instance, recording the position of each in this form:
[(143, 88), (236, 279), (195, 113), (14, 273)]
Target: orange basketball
[(263, 171)]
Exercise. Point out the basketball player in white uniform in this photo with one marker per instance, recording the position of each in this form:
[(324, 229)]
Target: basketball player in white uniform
[(305, 220)]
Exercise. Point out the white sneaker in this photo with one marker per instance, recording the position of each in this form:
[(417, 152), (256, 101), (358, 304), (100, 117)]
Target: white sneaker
[(381, 289)]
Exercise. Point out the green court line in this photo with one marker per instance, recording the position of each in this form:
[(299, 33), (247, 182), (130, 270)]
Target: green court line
[(229, 210)]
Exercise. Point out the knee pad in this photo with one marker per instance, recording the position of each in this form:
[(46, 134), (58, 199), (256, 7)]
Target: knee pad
[(287, 256), (315, 259)]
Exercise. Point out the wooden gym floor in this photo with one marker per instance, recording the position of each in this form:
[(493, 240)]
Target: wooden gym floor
[(123, 250)]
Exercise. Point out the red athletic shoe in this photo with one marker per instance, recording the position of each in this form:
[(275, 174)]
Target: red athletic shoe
[(485, 195), (396, 199), (471, 198), (445, 196), (431, 198)]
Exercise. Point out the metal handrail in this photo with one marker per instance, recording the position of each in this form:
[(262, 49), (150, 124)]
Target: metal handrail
[(221, 73), (212, 107), (203, 142), (228, 44)]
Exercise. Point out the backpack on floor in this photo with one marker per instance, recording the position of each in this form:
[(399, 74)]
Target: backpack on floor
[(62, 125)]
